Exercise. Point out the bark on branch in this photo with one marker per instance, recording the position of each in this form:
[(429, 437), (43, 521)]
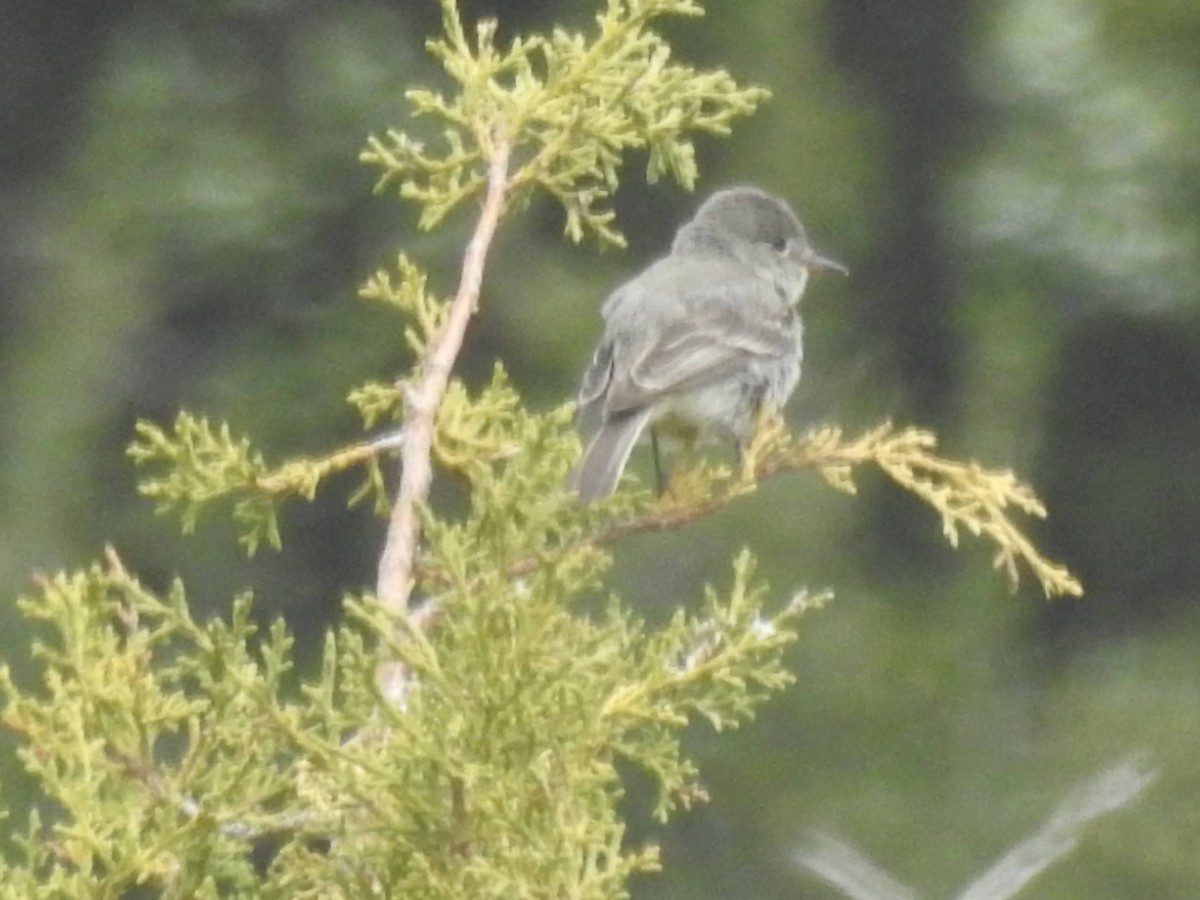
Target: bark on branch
[(394, 581)]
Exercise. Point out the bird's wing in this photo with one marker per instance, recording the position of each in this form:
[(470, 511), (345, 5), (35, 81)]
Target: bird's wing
[(592, 392), (720, 330)]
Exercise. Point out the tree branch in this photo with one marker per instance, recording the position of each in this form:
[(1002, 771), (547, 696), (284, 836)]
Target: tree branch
[(394, 582), (965, 495)]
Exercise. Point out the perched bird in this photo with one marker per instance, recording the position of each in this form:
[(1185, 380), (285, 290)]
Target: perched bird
[(699, 341)]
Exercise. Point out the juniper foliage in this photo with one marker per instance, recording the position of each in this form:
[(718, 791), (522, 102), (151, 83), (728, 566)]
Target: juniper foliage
[(190, 759)]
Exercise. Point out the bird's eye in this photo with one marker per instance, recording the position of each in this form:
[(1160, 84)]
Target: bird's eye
[(779, 244)]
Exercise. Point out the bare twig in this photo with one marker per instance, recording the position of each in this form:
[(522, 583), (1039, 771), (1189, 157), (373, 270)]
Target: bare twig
[(1115, 787), (1118, 786), (394, 581), (845, 867)]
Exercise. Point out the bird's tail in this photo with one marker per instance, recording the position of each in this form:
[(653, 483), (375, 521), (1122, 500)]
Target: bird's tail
[(606, 454)]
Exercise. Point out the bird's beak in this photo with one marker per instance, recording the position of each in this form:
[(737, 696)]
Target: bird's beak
[(815, 260)]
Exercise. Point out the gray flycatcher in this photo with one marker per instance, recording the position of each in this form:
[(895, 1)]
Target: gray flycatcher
[(698, 342)]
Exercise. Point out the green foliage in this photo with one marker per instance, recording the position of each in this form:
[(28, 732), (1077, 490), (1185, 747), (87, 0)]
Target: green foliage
[(408, 293), (188, 758), (965, 495), (204, 465), (573, 105), (173, 746)]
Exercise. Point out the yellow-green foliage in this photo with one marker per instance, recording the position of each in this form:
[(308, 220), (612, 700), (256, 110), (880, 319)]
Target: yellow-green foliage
[(574, 105), (189, 758), (173, 747)]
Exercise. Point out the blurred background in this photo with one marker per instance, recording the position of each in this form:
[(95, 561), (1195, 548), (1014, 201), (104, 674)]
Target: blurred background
[(1015, 186)]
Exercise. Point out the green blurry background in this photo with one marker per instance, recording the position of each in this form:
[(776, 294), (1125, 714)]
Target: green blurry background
[(1015, 186)]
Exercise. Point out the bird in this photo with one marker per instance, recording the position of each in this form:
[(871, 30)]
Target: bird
[(698, 342)]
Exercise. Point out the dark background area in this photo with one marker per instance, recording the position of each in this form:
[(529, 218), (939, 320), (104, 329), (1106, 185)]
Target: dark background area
[(1015, 187)]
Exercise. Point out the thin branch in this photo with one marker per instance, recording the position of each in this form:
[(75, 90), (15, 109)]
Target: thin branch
[(859, 878), (965, 495), (847, 868), (1114, 788), (394, 581)]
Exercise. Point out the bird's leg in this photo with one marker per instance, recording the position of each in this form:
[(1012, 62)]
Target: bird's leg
[(744, 455), (768, 426), (660, 472), (744, 459)]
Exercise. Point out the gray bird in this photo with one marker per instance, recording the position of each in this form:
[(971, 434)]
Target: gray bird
[(699, 341)]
